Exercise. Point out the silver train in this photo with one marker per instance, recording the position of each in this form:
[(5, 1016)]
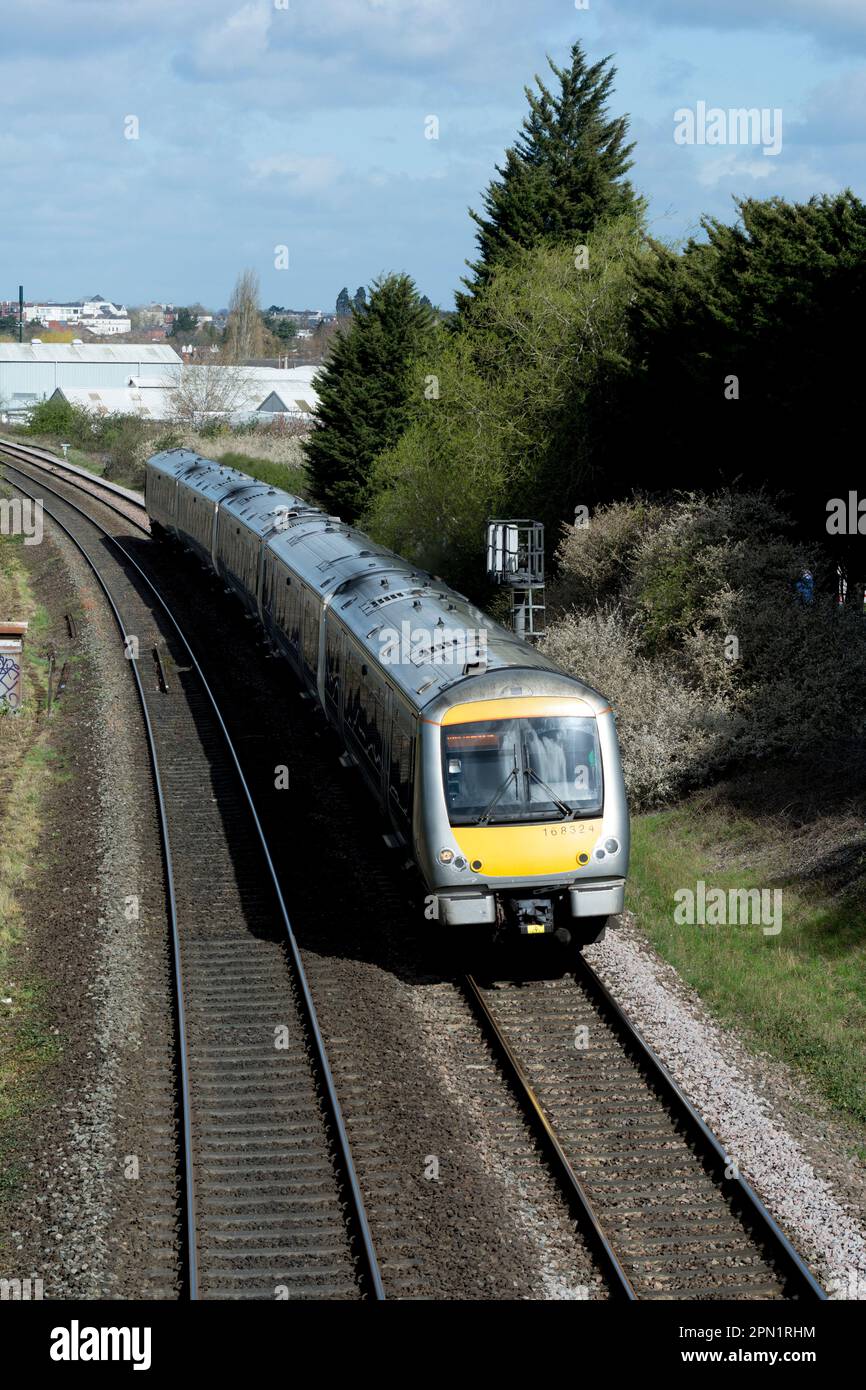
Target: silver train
[(498, 772)]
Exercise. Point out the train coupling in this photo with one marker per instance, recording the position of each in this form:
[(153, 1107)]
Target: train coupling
[(531, 916)]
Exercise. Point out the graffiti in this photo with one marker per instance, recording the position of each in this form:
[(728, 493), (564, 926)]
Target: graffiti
[(10, 681)]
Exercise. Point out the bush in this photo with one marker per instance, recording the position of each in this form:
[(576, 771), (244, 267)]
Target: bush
[(670, 734), (592, 560), (127, 440), (169, 439), (705, 613)]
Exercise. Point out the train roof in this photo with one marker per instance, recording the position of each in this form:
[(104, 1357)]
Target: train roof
[(249, 498), (428, 637)]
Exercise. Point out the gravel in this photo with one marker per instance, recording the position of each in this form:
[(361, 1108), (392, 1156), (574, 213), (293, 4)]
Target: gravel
[(782, 1138), (79, 1219)]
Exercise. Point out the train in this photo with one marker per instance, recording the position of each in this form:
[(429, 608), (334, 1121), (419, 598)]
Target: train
[(497, 772)]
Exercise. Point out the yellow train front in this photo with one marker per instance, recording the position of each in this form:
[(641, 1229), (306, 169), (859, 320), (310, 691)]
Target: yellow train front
[(522, 822), (497, 771)]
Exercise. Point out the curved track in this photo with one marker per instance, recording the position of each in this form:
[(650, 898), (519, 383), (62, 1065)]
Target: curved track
[(272, 1204), (658, 1200)]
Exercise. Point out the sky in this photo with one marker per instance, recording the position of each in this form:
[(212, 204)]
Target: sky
[(152, 149)]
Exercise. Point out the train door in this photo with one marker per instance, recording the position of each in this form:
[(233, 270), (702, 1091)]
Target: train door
[(310, 638), (401, 766), (266, 589), (335, 660)]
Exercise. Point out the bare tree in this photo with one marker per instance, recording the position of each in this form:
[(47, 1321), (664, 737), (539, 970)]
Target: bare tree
[(245, 332), (210, 391)]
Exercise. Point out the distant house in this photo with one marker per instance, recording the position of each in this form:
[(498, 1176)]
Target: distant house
[(98, 316)]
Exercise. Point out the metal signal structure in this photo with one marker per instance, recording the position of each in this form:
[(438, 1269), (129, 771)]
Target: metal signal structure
[(515, 557)]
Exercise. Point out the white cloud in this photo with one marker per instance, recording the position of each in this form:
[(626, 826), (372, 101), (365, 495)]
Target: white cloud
[(303, 173), (732, 167), (235, 45), (834, 112), (832, 23)]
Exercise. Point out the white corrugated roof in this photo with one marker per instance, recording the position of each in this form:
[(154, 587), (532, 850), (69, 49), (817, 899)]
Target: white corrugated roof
[(289, 376), (97, 352), (151, 403), (250, 387)]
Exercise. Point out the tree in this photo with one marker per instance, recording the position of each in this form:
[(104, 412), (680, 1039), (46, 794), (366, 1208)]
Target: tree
[(360, 298), (208, 392), (344, 304), (745, 366), (365, 391), (564, 175), (244, 338), (504, 410), (184, 322), (282, 328)]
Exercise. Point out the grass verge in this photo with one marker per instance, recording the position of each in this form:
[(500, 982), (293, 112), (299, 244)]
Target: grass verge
[(27, 1046), (799, 995)]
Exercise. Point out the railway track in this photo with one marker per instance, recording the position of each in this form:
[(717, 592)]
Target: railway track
[(271, 1203), (659, 1202), (119, 500)]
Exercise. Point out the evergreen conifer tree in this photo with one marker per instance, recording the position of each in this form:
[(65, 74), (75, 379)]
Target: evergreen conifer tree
[(564, 175), (365, 392)]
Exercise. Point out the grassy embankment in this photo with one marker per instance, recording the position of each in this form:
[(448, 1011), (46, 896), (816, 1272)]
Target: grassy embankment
[(800, 995), (28, 768), (273, 458)]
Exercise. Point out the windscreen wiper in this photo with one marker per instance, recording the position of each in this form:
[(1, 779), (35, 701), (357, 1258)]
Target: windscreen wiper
[(482, 820), (567, 811)]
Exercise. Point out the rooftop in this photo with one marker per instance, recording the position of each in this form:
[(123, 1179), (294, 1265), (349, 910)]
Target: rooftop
[(88, 352)]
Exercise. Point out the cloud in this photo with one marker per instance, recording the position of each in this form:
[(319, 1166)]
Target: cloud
[(232, 47), (304, 174), (831, 23), (834, 112)]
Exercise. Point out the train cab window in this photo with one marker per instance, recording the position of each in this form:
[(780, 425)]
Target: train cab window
[(502, 771)]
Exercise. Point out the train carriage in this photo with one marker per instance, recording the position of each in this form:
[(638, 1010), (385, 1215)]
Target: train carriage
[(500, 773)]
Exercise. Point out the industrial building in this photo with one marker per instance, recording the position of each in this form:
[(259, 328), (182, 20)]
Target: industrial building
[(31, 372), (149, 380), (150, 402), (271, 391)]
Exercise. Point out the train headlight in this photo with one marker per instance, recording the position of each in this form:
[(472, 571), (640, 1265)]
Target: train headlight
[(445, 856), (611, 846), (583, 857)]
